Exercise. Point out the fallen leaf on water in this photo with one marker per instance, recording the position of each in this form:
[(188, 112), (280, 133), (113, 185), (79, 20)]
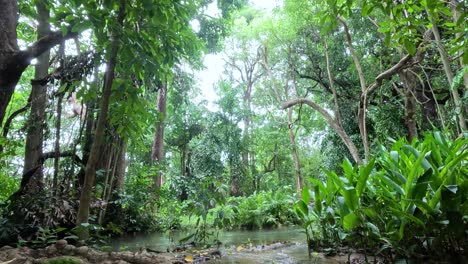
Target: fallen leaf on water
[(189, 258)]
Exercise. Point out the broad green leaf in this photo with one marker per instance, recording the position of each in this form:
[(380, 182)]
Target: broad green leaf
[(305, 195), (364, 173), (410, 46), (350, 221), (348, 169), (414, 219), (303, 207), (350, 197)]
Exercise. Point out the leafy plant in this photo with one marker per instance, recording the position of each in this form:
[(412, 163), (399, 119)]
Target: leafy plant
[(411, 198)]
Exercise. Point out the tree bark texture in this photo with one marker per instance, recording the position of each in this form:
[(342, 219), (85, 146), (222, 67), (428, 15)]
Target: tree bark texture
[(35, 130), (157, 151), (13, 61), (409, 92), (448, 72), (91, 165), (8, 49)]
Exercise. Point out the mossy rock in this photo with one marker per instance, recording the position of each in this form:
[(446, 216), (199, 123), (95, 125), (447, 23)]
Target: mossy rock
[(64, 260)]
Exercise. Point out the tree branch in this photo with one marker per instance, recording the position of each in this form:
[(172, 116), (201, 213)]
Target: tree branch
[(387, 74), (69, 153), (46, 43), (331, 121)]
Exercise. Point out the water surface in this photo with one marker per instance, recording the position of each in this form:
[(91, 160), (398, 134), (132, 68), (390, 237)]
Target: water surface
[(238, 246)]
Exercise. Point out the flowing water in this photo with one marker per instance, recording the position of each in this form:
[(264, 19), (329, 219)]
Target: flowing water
[(282, 245)]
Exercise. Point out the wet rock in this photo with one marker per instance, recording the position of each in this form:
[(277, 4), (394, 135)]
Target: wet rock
[(82, 251), (13, 254), (51, 250), (61, 244), (68, 249)]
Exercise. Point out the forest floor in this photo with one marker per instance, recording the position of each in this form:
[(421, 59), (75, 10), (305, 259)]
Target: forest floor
[(63, 253)]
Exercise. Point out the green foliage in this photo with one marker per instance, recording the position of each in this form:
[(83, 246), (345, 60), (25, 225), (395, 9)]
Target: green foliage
[(411, 198), (63, 260), (137, 200), (8, 187), (260, 210)]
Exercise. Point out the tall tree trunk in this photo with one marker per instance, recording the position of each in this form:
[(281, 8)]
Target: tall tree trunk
[(362, 81), (292, 139), (157, 151), (297, 162), (90, 170), (35, 131), (448, 72), (114, 211), (247, 120), (456, 16), (409, 82), (90, 123), (58, 124), (110, 169)]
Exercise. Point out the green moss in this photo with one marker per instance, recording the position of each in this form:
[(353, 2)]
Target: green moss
[(64, 260)]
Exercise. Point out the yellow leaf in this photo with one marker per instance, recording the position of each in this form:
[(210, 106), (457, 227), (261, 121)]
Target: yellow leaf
[(239, 248), (189, 258)]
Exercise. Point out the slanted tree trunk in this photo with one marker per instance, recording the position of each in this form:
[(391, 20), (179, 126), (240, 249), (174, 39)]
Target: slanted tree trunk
[(448, 72), (90, 170), (332, 122), (362, 82), (35, 130), (456, 16), (157, 151)]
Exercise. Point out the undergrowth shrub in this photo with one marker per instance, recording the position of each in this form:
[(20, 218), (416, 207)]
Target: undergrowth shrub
[(260, 210), (409, 200)]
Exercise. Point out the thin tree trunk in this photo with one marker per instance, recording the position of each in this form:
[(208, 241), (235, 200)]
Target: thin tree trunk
[(456, 16), (333, 123), (297, 162), (409, 83), (35, 131), (362, 81), (109, 181), (58, 122), (121, 167), (117, 216), (448, 72), (90, 171), (157, 152), (292, 136)]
